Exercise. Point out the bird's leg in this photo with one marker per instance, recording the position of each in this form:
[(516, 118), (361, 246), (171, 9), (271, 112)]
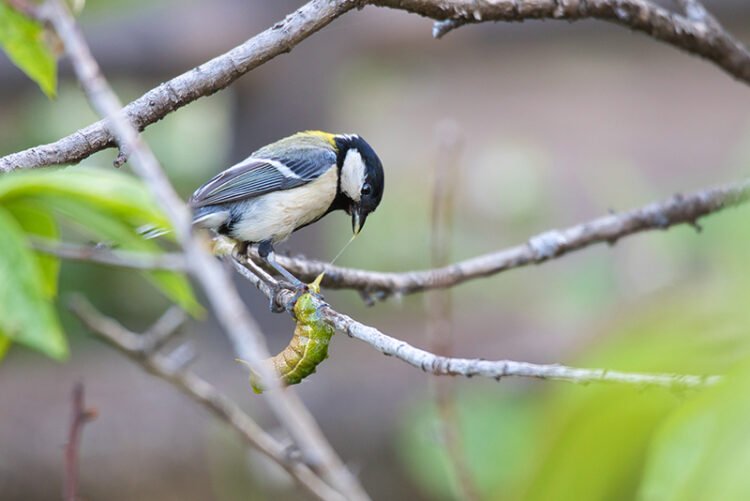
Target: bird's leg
[(266, 252)]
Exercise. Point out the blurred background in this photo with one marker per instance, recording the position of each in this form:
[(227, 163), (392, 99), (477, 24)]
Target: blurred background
[(559, 123)]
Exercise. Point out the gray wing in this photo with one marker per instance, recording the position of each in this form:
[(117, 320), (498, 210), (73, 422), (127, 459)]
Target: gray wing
[(257, 176)]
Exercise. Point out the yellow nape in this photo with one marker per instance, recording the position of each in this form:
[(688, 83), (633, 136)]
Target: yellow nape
[(326, 136)]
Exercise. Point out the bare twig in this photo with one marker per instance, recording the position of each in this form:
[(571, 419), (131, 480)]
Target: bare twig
[(140, 348), (445, 26), (470, 367), (679, 209), (81, 415), (167, 326), (709, 41), (439, 305), (110, 257), (231, 313)]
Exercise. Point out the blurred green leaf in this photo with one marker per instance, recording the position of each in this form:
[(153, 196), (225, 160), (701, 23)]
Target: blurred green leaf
[(101, 225), (597, 451), (23, 40), (597, 439), (4, 345), (494, 431), (41, 223), (703, 450), (108, 190), (26, 314), (105, 205)]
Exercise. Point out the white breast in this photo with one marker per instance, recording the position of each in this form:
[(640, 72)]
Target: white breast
[(276, 215)]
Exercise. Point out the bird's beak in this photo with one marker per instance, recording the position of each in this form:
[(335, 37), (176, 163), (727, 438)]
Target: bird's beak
[(358, 218)]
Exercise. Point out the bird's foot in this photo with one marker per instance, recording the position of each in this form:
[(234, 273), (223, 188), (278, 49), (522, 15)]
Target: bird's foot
[(278, 304)]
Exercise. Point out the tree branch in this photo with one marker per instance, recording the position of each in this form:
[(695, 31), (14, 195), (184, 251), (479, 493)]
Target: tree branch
[(201, 81), (231, 313), (470, 367), (81, 416), (706, 39), (679, 209), (110, 257), (143, 349), (698, 34), (439, 307)]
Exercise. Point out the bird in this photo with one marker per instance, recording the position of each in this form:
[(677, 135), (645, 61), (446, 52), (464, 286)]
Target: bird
[(287, 185)]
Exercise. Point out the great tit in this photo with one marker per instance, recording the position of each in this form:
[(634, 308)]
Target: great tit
[(288, 185)]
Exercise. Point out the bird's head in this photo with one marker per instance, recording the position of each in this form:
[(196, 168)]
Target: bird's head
[(361, 178)]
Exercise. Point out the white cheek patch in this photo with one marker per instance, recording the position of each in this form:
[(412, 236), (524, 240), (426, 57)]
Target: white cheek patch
[(353, 175)]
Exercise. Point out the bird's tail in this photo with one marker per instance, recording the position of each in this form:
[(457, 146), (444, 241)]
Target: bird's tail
[(205, 217), (149, 231)]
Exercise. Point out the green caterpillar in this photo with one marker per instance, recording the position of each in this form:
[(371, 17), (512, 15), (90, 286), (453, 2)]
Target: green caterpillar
[(309, 344)]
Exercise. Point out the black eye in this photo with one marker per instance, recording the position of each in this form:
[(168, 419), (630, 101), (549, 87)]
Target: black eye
[(366, 189)]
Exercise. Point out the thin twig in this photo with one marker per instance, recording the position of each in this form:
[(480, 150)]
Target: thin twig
[(80, 416), (111, 257), (709, 41), (439, 305), (139, 348), (166, 327), (442, 28), (677, 210), (470, 367), (231, 313)]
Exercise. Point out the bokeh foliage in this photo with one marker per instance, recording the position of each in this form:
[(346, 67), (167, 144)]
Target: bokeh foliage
[(92, 205), (561, 441), (28, 45)]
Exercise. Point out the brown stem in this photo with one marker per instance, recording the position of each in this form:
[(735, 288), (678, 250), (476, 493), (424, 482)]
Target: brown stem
[(81, 415)]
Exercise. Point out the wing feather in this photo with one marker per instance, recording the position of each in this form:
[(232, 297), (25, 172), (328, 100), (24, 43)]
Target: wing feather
[(257, 176)]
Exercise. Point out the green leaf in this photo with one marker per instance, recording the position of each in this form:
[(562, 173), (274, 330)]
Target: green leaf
[(4, 345), (703, 450), (103, 226), (104, 189), (106, 205), (494, 430), (596, 440), (23, 41), (41, 223), (26, 314)]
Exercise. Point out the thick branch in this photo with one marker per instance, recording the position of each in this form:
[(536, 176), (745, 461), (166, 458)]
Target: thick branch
[(201, 81), (143, 350), (706, 39), (679, 209), (469, 367)]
